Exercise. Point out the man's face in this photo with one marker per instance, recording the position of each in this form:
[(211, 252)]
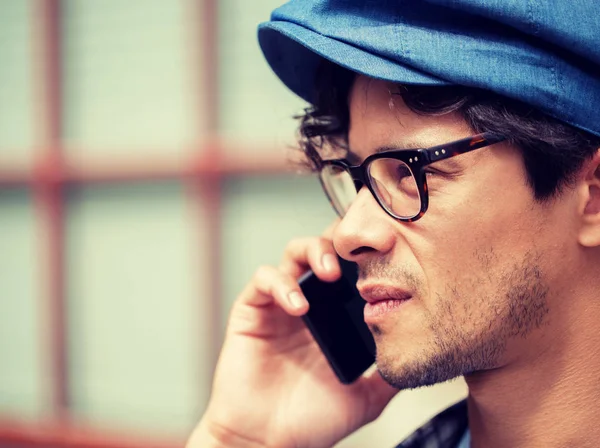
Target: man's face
[(482, 267)]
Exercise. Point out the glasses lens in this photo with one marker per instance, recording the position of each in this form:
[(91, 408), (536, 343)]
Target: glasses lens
[(396, 187), (339, 187)]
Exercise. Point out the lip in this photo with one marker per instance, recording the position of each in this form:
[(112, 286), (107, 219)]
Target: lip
[(376, 292), (382, 300)]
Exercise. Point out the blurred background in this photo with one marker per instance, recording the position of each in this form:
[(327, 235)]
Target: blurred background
[(143, 179)]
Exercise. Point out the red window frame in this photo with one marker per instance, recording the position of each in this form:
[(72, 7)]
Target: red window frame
[(52, 174)]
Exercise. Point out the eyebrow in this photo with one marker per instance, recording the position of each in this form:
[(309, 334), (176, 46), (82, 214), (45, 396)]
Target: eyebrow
[(354, 159)]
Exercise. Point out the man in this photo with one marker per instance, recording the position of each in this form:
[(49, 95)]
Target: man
[(478, 256)]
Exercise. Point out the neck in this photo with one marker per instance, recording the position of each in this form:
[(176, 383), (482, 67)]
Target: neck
[(551, 398)]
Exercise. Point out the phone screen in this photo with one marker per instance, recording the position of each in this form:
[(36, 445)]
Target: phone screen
[(336, 321)]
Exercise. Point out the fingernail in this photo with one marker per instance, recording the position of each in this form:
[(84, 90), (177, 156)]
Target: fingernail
[(296, 299), (328, 262)]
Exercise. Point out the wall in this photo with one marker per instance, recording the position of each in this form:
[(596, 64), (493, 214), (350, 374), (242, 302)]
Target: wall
[(139, 254)]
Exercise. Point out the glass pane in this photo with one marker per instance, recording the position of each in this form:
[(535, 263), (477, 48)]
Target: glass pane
[(134, 258), (340, 187), (396, 186), (255, 107), (129, 82), (260, 216), (23, 392), (17, 129)]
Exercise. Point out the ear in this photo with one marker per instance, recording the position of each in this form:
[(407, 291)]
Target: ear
[(589, 233)]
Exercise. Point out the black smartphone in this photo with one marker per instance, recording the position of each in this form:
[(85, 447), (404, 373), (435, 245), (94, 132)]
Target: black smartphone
[(336, 321)]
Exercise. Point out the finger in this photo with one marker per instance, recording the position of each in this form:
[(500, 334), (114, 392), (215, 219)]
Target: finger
[(312, 253), (271, 286)]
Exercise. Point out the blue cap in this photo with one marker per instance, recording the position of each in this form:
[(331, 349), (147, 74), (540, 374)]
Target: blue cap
[(545, 53)]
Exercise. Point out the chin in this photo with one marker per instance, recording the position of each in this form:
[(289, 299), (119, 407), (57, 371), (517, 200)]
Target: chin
[(406, 374), (413, 365)]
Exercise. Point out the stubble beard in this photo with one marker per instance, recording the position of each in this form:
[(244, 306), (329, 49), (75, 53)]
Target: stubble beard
[(470, 333)]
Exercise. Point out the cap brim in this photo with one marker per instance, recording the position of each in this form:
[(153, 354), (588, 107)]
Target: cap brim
[(294, 53)]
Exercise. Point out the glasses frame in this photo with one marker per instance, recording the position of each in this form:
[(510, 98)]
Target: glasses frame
[(416, 160)]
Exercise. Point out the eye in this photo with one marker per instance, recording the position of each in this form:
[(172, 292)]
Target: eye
[(405, 179), (435, 173), (402, 172)]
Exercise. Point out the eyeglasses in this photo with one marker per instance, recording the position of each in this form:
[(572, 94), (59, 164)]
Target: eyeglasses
[(397, 178)]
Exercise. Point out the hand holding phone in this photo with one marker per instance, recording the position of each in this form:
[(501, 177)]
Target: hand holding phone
[(335, 319), (272, 384)]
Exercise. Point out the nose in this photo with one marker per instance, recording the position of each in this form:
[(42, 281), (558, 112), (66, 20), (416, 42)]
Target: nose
[(366, 230)]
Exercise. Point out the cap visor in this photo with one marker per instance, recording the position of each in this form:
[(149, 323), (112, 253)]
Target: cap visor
[(294, 53)]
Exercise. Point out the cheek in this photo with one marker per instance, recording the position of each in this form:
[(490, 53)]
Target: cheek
[(462, 238)]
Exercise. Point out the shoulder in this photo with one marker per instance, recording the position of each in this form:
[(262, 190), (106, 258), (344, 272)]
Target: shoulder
[(442, 431)]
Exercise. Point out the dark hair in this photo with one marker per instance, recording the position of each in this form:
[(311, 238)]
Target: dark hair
[(552, 150)]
